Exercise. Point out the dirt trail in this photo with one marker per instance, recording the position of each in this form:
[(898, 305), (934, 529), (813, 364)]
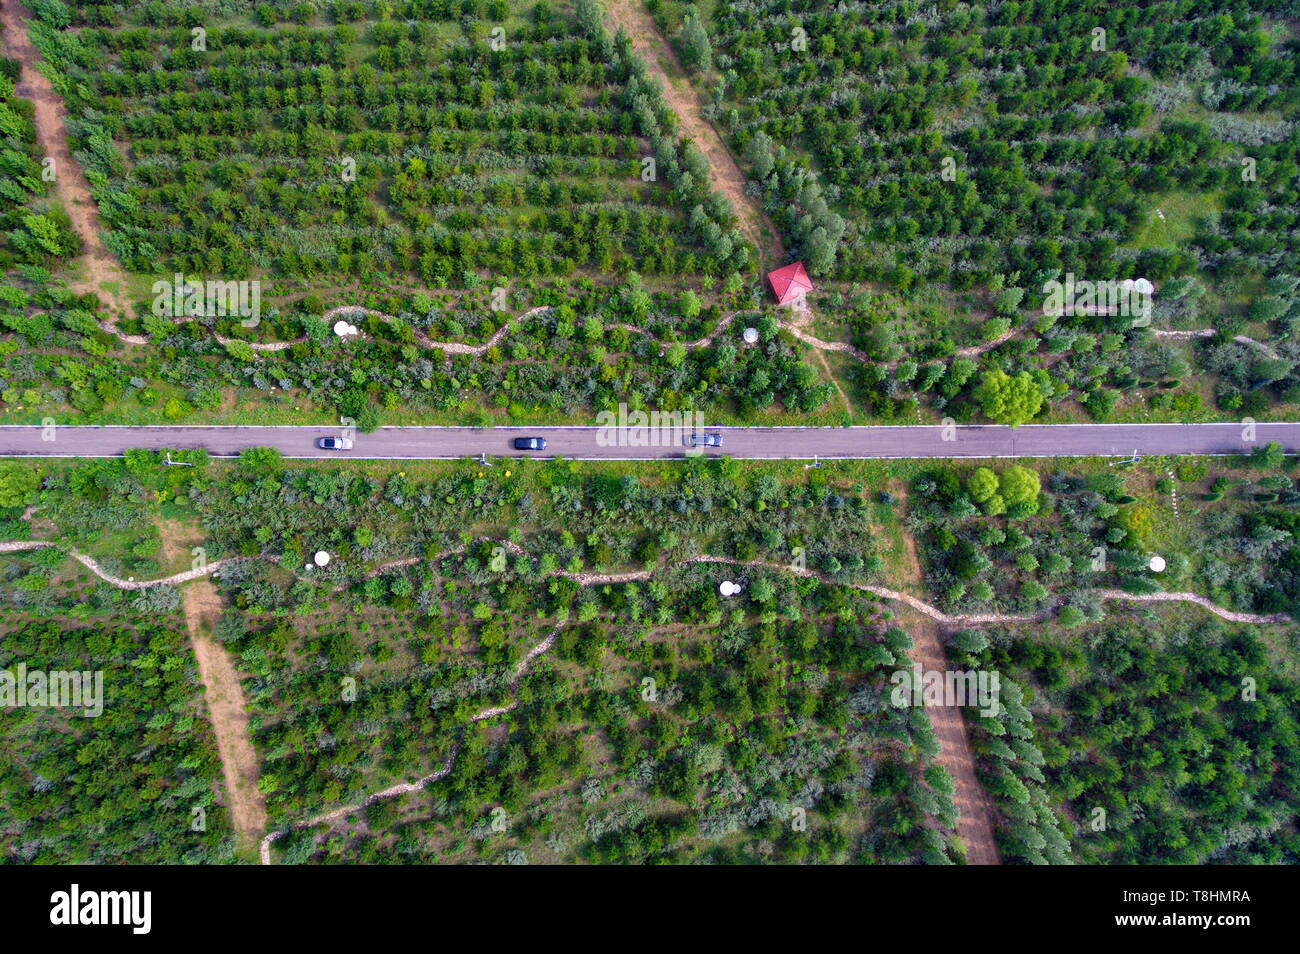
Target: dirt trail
[(975, 821), (225, 697), (69, 182), (450, 347), (974, 807), (1210, 333), (682, 98), (800, 316), (1230, 615), (629, 576)]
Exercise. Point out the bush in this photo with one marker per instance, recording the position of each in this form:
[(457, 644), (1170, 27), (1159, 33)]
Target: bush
[(1071, 616), (1019, 485)]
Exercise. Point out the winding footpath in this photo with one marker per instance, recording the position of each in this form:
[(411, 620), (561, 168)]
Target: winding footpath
[(450, 347), (795, 326), (461, 347), (631, 576), (1210, 333)]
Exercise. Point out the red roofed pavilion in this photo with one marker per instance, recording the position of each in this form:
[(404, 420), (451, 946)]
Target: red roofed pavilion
[(789, 283)]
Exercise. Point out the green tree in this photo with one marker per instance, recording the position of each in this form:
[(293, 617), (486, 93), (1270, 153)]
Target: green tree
[(239, 350), (970, 640), (1033, 591), (689, 303), (1008, 301), (697, 51), (1019, 485), (982, 485), (1269, 456), (1070, 616), (1007, 399), (18, 483)]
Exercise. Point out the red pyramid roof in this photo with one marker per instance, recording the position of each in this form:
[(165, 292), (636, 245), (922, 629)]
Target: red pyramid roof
[(789, 282)]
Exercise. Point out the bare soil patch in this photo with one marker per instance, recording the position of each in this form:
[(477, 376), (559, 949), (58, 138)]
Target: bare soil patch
[(975, 822), (225, 696), (975, 808), (70, 182), (686, 103)]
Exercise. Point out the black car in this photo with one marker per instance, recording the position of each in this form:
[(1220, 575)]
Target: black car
[(530, 443), (705, 440)]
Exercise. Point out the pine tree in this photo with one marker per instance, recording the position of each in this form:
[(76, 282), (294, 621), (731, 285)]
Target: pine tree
[(697, 51)]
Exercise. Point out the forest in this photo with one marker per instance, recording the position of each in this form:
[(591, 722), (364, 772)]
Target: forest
[(548, 645), (453, 166), (936, 165), (653, 694), (488, 212), (1164, 742), (405, 139), (1017, 539), (133, 785), (551, 353)]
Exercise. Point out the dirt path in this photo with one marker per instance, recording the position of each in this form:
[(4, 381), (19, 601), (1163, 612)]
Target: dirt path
[(975, 808), (593, 579), (682, 98), (70, 183), (14, 546), (226, 707), (820, 358), (1210, 333), (451, 347), (974, 351), (1230, 615), (800, 316), (975, 812)]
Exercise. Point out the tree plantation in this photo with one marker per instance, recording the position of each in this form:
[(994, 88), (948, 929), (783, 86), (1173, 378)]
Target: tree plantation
[(594, 432)]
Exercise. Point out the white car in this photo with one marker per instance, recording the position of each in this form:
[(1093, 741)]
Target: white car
[(334, 443)]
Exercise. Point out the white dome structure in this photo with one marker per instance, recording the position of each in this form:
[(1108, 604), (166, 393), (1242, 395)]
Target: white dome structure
[(750, 335), (1157, 564), (321, 558), (727, 588)]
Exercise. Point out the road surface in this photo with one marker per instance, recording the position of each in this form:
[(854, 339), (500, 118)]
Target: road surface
[(594, 443)]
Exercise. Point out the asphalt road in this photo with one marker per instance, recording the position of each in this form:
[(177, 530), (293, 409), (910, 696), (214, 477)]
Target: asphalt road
[(593, 443)]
